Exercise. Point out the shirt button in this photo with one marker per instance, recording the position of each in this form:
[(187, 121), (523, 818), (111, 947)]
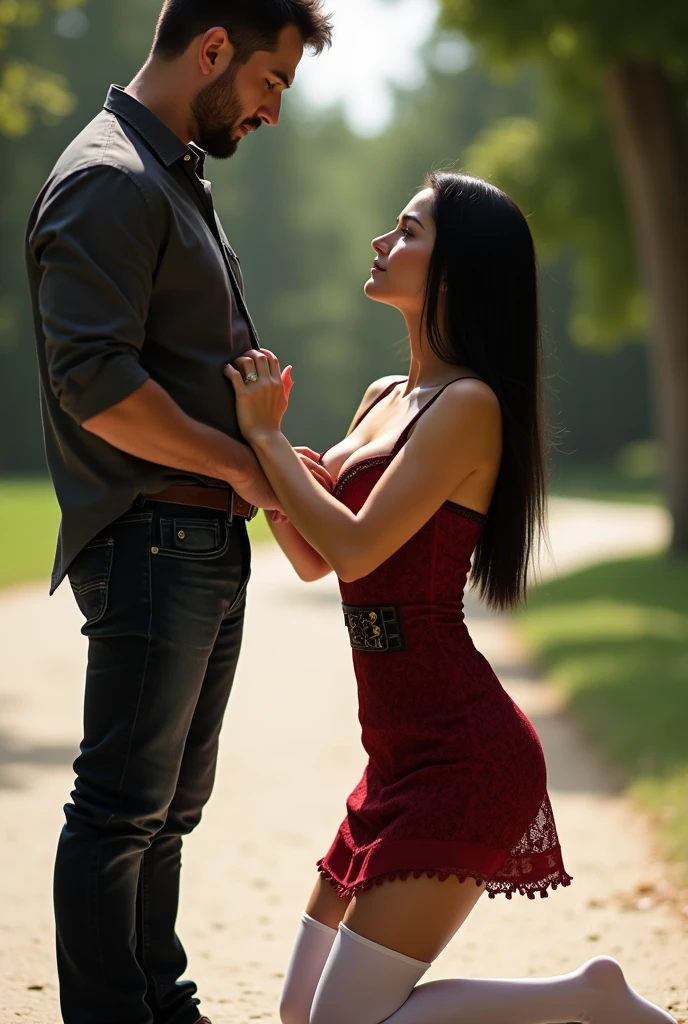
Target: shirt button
[(187, 158), (155, 551), (181, 535)]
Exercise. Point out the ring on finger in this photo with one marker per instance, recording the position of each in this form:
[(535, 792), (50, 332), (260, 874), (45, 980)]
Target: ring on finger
[(251, 377)]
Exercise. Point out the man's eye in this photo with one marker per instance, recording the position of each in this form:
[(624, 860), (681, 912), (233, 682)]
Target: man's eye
[(270, 85)]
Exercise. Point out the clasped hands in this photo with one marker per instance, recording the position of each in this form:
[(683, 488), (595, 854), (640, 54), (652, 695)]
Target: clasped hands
[(262, 391)]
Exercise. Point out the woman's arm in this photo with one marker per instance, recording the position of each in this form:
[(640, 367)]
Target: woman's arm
[(308, 563), (457, 436)]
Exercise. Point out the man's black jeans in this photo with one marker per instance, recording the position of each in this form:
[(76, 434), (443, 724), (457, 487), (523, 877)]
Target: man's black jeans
[(163, 593)]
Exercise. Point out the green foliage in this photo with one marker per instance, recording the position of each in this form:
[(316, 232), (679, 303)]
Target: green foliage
[(615, 639), (26, 89), (560, 164), (562, 171), (574, 30)]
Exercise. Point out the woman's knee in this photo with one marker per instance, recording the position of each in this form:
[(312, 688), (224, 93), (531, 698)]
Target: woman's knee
[(313, 945), (294, 1009), (363, 982)]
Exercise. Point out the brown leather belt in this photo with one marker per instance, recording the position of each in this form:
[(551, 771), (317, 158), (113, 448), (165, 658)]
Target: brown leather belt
[(220, 498)]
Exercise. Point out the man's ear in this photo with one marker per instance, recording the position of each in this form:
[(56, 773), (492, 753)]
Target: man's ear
[(216, 51)]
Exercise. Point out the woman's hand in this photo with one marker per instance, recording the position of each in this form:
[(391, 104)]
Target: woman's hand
[(261, 403)]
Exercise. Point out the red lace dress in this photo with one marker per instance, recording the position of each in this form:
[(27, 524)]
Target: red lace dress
[(456, 780)]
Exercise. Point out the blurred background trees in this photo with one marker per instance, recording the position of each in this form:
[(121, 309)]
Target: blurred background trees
[(25, 88), (301, 204), (603, 164)]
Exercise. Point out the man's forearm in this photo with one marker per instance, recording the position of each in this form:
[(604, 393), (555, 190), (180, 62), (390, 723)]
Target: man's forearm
[(151, 426)]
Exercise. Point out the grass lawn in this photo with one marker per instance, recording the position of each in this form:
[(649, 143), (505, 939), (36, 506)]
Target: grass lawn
[(614, 638), (600, 482), (29, 518)]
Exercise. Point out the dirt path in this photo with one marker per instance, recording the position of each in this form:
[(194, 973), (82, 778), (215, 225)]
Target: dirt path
[(290, 755)]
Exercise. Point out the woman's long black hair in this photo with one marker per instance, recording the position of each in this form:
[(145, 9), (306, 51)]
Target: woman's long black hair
[(484, 254)]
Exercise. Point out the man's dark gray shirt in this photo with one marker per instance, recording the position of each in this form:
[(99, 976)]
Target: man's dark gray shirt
[(131, 278)]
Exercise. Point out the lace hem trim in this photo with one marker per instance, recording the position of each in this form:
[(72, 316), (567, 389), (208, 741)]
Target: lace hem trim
[(494, 888)]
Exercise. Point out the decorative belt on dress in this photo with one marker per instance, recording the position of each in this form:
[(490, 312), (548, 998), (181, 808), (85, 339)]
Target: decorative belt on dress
[(376, 628)]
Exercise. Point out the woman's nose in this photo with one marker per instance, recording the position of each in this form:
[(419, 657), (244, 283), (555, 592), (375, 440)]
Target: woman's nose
[(379, 245)]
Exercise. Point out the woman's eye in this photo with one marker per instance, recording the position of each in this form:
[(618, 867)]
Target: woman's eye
[(406, 232)]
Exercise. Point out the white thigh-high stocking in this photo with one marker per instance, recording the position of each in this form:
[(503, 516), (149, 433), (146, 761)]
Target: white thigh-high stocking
[(313, 944), (364, 983)]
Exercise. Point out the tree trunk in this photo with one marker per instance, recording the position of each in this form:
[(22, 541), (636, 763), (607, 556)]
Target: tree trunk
[(653, 161)]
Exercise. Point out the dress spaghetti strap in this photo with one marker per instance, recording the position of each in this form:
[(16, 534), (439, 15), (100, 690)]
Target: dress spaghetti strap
[(387, 391), (383, 394), (406, 433)]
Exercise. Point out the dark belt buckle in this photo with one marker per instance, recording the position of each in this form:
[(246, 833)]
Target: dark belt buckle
[(374, 628), (242, 508)]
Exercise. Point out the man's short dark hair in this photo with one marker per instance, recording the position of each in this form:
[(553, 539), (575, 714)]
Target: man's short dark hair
[(251, 24)]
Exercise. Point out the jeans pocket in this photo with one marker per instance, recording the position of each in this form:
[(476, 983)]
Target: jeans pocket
[(89, 576), (196, 539)]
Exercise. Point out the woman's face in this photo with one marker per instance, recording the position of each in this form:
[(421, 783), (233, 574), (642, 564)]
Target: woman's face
[(400, 271)]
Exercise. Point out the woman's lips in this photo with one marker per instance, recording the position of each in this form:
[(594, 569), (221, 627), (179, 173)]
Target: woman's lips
[(377, 269)]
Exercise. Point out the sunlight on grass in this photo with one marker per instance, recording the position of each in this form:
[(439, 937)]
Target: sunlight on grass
[(29, 520), (600, 482), (614, 638), (609, 619), (259, 531)]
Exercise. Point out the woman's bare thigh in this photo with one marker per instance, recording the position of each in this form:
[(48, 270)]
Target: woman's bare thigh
[(325, 905), (417, 917)]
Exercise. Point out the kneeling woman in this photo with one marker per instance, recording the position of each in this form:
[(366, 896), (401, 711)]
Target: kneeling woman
[(439, 468)]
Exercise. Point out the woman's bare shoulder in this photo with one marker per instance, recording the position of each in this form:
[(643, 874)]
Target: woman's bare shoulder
[(378, 386), (468, 408), (372, 394), (471, 393)]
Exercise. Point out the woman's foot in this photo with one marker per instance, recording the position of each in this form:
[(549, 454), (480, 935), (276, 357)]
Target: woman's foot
[(612, 1000)]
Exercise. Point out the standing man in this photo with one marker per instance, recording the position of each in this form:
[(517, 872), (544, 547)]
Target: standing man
[(138, 306)]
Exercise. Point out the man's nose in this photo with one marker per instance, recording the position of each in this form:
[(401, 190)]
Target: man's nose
[(269, 113)]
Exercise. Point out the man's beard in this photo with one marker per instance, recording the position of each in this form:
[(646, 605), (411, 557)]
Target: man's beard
[(217, 112)]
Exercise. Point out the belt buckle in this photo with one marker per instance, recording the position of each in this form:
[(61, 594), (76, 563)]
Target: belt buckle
[(251, 511), (374, 628)]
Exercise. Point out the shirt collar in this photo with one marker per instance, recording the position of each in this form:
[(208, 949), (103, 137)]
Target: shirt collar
[(167, 146), (200, 155)]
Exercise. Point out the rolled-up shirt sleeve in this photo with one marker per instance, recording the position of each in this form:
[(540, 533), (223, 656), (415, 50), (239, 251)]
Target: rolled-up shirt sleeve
[(97, 243)]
